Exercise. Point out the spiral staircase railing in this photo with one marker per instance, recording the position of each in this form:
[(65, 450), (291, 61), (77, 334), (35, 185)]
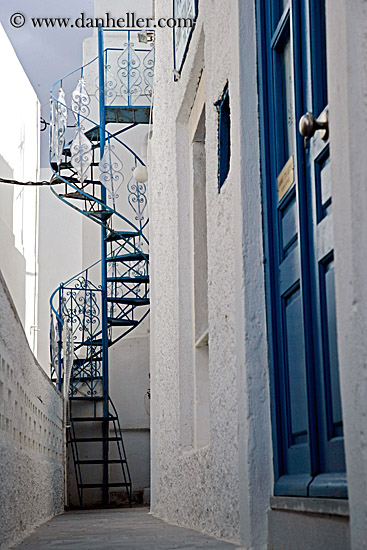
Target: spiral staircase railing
[(97, 172)]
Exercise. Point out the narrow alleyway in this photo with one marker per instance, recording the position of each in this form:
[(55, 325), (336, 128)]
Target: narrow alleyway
[(116, 529)]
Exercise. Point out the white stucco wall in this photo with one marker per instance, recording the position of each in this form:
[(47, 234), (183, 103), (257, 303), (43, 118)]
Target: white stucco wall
[(31, 455), (347, 72), (19, 159), (129, 382), (224, 487)]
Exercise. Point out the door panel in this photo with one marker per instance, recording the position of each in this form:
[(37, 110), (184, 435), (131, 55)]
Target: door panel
[(309, 430), (317, 157), (296, 369), (335, 421), (328, 400), (291, 332), (288, 226)]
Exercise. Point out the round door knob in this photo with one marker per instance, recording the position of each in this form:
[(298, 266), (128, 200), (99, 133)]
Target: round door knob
[(309, 125)]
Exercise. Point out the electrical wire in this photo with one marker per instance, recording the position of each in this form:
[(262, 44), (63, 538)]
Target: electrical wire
[(34, 183)]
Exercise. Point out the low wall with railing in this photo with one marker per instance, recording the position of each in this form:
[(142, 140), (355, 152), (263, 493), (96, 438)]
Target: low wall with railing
[(31, 437)]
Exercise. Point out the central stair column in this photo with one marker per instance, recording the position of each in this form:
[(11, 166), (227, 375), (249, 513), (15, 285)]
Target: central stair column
[(105, 427)]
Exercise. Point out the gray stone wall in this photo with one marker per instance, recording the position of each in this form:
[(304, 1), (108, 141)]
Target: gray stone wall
[(31, 437)]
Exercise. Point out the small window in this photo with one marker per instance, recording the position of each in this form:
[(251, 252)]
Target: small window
[(224, 137)]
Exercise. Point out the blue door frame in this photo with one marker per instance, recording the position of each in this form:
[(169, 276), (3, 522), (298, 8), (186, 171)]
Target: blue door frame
[(305, 397)]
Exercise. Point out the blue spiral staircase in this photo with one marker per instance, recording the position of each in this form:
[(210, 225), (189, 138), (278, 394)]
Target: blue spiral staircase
[(97, 173)]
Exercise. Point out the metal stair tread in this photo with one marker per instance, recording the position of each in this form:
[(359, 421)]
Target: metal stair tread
[(121, 114), (84, 462), (60, 179), (74, 195), (85, 361), (122, 322), (99, 214), (101, 485), (93, 133), (62, 166), (129, 257), (86, 379), (119, 235), (57, 179), (130, 301), (90, 397), (139, 280), (94, 343), (94, 439), (93, 418)]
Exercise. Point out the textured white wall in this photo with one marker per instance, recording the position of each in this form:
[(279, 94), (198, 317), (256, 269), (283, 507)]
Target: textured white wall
[(31, 455), (224, 487), (19, 159), (254, 427), (12, 261), (347, 63), (129, 382)]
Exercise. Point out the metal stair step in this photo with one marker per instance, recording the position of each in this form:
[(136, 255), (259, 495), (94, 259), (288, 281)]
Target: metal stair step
[(83, 462), (130, 301), (61, 166), (93, 418), (94, 343), (93, 133), (74, 195), (101, 485), (123, 115), (134, 257), (82, 361), (88, 378), (67, 153), (82, 364), (68, 166), (121, 235), (87, 397), (115, 322), (58, 178), (138, 280), (99, 214), (94, 439), (63, 178)]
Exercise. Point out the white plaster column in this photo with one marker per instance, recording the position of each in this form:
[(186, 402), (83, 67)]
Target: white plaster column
[(255, 451), (347, 72)]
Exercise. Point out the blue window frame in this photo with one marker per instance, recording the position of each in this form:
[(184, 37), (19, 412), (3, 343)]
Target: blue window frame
[(298, 241), (224, 137), (183, 9)]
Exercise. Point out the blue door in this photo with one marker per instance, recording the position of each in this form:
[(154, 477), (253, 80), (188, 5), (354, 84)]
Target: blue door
[(297, 197)]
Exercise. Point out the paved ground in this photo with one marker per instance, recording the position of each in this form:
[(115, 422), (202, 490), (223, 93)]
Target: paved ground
[(116, 530)]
